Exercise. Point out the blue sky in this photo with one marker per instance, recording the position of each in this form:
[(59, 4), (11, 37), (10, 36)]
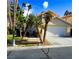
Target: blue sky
[(57, 6)]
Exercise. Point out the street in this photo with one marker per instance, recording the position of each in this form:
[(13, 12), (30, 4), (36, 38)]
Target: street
[(54, 53)]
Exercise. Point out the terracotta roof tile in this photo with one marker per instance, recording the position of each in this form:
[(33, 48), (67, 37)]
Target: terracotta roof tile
[(52, 13), (68, 19)]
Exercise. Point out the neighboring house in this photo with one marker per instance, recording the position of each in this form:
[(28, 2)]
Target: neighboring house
[(68, 19), (57, 26)]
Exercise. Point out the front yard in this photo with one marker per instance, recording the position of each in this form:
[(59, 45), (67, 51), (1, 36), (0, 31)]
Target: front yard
[(18, 41), (24, 42)]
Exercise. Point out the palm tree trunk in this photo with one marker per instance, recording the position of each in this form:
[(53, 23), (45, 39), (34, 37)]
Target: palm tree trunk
[(26, 25), (13, 36), (14, 22), (41, 31), (45, 29), (39, 34), (10, 16), (20, 32), (25, 29)]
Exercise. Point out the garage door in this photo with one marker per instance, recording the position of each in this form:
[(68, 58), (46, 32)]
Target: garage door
[(55, 31)]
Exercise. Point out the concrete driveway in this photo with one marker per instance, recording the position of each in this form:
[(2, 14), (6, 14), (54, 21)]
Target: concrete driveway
[(55, 52), (56, 40)]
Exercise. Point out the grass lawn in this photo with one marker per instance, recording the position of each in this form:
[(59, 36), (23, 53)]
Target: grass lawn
[(10, 37), (18, 40)]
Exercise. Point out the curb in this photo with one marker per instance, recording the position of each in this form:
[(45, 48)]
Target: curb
[(35, 47)]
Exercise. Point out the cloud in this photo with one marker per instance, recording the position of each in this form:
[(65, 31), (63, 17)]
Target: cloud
[(45, 4)]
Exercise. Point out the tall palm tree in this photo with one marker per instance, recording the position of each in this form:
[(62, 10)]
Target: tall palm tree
[(66, 13), (29, 7), (20, 23), (47, 18), (20, 19), (38, 25), (27, 18), (14, 22), (36, 22), (9, 14), (23, 4)]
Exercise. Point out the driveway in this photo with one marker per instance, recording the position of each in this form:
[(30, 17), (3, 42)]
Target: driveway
[(55, 40)]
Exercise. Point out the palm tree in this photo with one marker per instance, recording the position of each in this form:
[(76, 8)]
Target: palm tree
[(23, 4), (66, 13), (47, 18), (27, 18), (14, 22), (29, 7), (39, 25), (9, 14), (20, 23), (36, 22)]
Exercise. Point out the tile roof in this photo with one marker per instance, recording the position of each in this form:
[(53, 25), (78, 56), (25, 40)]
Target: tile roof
[(68, 19), (52, 13)]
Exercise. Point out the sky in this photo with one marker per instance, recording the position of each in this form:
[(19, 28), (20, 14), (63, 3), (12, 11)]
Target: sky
[(57, 6)]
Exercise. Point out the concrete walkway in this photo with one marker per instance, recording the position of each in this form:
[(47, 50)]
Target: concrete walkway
[(55, 52)]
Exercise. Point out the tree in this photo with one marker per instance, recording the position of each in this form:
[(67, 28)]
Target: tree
[(20, 23), (14, 21), (29, 7), (66, 13), (10, 15), (70, 13), (20, 20), (35, 22), (27, 18), (39, 25), (23, 4), (47, 18)]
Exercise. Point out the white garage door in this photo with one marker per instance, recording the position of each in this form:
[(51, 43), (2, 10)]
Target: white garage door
[(55, 31)]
